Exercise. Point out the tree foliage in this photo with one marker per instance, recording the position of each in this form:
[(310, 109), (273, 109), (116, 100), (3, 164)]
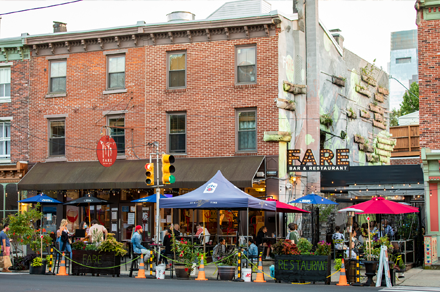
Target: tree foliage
[(410, 102), (395, 113)]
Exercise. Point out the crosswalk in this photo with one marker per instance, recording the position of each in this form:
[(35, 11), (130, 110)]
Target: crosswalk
[(411, 289)]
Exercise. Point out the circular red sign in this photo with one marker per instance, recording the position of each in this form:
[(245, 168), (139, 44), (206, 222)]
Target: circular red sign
[(106, 151)]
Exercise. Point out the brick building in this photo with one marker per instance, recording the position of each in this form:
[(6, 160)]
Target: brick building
[(232, 92), (14, 102), (428, 22)]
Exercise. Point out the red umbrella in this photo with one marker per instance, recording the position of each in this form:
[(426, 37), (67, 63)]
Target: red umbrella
[(382, 206), (285, 208)]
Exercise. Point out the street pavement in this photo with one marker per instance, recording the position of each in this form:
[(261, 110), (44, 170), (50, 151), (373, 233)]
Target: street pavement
[(419, 277), (25, 282)]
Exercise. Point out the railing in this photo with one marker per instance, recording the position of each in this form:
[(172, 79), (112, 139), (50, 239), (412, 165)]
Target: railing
[(407, 141)]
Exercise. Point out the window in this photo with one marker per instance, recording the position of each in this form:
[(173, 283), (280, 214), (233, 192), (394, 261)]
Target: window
[(403, 60), (5, 83), (177, 133), (246, 64), (57, 137), (117, 132), (116, 72), (5, 140), (58, 76), (177, 70), (247, 130)]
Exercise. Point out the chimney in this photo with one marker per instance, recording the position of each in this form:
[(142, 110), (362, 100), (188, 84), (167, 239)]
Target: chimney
[(59, 26), (336, 33), (180, 16)]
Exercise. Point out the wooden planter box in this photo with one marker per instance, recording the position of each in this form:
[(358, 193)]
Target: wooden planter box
[(383, 90), (365, 115), (358, 139), (339, 81), (302, 268), (379, 97), (294, 88), (363, 91), (378, 117), (95, 259), (286, 104), (376, 109), (379, 125), (366, 148), (370, 80), (351, 115), (372, 158)]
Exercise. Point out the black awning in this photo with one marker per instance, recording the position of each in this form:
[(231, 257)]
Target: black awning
[(130, 174), (377, 174)]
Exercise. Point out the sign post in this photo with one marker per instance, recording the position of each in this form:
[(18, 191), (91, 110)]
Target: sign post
[(383, 265)]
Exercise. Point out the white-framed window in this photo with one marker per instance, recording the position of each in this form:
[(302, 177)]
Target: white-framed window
[(57, 137), (116, 72), (5, 82), (177, 133), (246, 64), (5, 140), (117, 131), (176, 70), (58, 72), (246, 130)]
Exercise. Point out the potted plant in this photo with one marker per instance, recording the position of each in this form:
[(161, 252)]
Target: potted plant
[(38, 266), (351, 114), (187, 258), (304, 246), (226, 265), (326, 120), (372, 256)]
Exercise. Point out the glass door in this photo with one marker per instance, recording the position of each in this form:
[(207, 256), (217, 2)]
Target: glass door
[(127, 221)]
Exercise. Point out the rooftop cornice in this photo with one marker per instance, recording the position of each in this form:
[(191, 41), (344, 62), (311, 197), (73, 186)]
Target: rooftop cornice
[(150, 29)]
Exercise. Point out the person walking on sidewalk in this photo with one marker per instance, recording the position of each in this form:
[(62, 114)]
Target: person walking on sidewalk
[(5, 248)]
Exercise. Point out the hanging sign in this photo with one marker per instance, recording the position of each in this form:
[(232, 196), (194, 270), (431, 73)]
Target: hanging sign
[(308, 163), (106, 151), (383, 267)]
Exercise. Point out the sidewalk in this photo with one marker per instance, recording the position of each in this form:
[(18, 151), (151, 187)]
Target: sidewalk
[(420, 278)]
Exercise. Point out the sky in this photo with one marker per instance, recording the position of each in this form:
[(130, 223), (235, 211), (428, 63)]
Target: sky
[(366, 25)]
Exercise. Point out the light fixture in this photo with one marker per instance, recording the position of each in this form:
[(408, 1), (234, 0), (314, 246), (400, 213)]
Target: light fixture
[(379, 184), (367, 189), (139, 191), (340, 191), (351, 199), (418, 183), (384, 189), (360, 191), (335, 189), (392, 187), (355, 184), (409, 185), (403, 184), (332, 182), (356, 198)]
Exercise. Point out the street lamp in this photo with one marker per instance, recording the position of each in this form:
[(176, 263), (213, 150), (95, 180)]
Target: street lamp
[(350, 212)]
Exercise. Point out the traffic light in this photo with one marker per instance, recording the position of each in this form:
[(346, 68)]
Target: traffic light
[(149, 174), (168, 169)]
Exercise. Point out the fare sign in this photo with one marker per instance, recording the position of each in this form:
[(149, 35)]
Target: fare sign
[(308, 162), (106, 151)]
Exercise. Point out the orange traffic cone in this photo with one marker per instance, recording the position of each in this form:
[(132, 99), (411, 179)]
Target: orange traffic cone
[(260, 276), (201, 275), (62, 270), (141, 272), (342, 277)]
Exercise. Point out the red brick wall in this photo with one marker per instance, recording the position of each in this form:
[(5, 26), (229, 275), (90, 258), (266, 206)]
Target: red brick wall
[(429, 83), (18, 109), (405, 161), (210, 99)]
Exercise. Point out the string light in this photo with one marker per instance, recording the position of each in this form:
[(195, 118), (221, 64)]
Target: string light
[(355, 184), (367, 189), (418, 183), (409, 185), (392, 187)]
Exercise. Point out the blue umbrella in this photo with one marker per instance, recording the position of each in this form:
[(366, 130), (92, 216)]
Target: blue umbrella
[(149, 199), (314, 200), (42, 198)]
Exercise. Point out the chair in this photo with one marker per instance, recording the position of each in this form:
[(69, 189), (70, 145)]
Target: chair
[(134, 264)]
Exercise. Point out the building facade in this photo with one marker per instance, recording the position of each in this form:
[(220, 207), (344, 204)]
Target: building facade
[(403, 64), (428, 22)]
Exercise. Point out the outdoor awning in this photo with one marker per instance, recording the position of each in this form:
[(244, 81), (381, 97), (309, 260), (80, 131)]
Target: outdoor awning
[(130, 174)]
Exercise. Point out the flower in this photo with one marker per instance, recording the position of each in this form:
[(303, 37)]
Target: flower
[(185, 242), (22, 240), (186, 269), (44, 230), (13, 233)]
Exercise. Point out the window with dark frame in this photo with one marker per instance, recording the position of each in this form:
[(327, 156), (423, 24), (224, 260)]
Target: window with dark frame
[(403, 60), (177, 133), (5, 82), (5, 139), (177, 70), (246, 64), (57, 137), (117, 132), (116, 72), (58, 71), (247, 130)]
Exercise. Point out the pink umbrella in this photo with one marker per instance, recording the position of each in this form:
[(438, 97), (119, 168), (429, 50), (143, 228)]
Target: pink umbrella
[(285, 208), (382, 206)]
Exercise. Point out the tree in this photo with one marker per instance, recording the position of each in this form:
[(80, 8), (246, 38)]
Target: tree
[(410, 102), (395, 113)]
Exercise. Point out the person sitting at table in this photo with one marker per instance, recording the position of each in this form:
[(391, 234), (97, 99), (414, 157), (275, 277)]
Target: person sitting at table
[(353, 252), (136, 240), (338, 238), (83, 226), (293, 234), (167, 239), (176, 230), (200, 231), (219, 250), (95, 230), (262, 233), (252, 251)]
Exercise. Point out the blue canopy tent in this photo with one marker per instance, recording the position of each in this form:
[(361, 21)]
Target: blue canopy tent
[(218, 194), (149, 199), (314, 200)]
